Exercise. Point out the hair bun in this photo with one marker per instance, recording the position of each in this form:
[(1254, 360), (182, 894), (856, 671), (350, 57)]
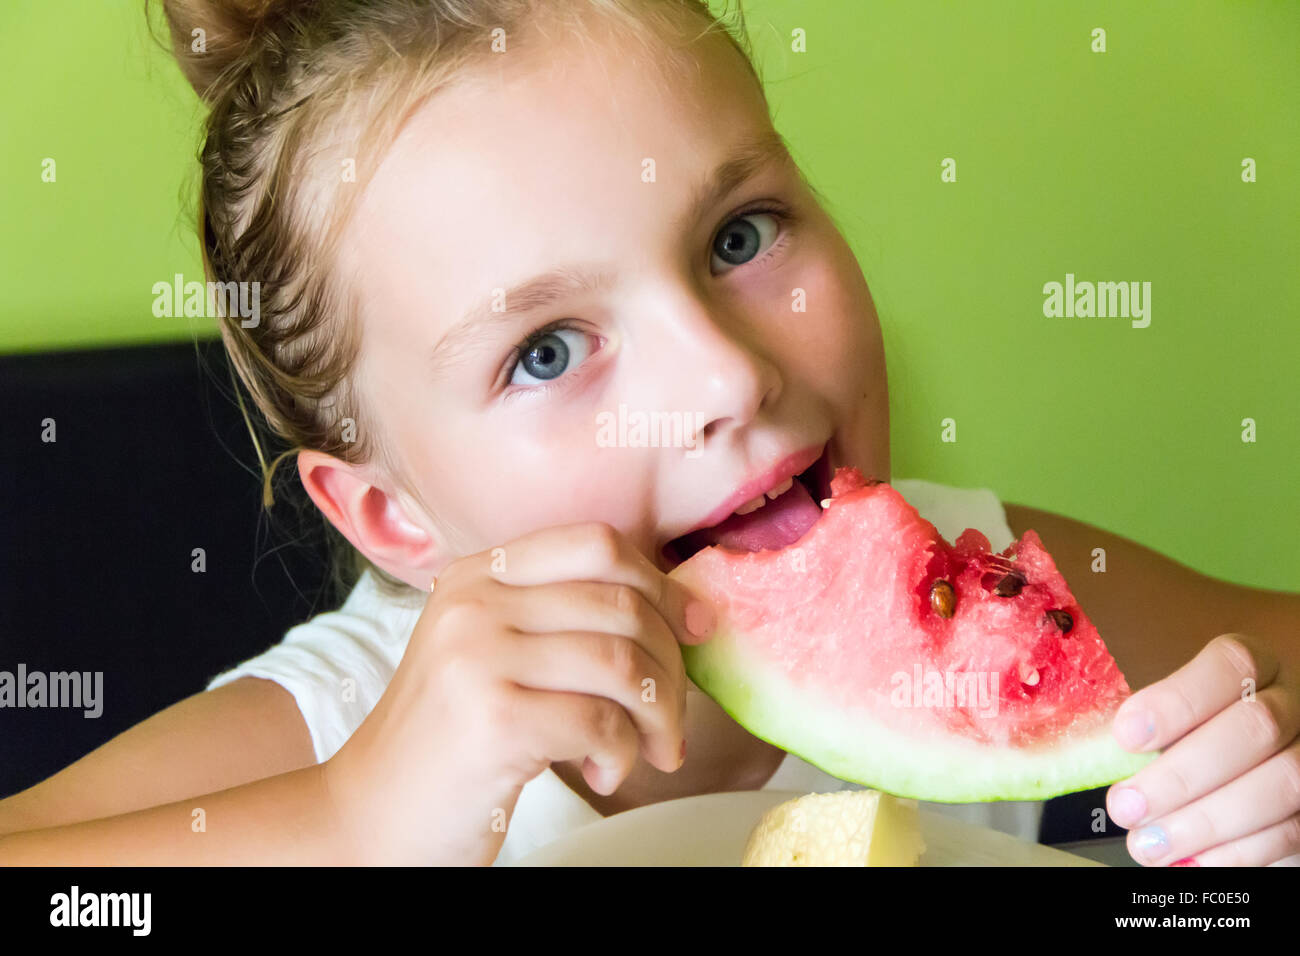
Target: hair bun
[(209, 35)]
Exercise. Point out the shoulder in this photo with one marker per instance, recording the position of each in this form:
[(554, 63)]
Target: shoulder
[(1022, 517), (1059, 532)]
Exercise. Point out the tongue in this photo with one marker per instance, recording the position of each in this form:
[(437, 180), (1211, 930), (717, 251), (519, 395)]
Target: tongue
[(773, 526)]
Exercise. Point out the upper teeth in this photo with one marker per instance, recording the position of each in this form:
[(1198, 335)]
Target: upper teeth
[(781, 489), (777, 491)]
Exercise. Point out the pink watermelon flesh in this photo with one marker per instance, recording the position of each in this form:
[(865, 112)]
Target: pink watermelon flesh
[(830, 646)]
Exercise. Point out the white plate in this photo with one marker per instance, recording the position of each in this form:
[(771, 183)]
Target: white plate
[(712, 829)]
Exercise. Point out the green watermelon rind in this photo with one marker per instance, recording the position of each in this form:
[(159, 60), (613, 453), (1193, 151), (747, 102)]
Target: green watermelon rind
[(943, 769)]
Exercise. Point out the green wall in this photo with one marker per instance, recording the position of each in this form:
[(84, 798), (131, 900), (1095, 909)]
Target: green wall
[(84, 84), (1115, 166), (1123, 165)]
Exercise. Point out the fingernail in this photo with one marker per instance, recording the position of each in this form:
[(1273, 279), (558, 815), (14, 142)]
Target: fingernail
[(608, 781), (699, 618), (1185, 861), (1136, 728), (1128, 806), (1152, 843)]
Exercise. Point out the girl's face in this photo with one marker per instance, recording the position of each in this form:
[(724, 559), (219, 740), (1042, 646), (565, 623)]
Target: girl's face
[(563, 244)]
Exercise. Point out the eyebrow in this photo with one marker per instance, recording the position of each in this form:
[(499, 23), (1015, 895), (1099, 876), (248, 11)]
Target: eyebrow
[(482, 321)]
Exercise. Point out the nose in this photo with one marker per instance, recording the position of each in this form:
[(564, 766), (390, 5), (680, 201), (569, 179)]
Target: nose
[(715, 369)]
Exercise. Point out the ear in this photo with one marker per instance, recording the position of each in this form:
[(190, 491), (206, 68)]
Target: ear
[(372, 519)]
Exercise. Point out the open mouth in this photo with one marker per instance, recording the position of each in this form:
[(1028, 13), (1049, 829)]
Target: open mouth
[(789, 509)]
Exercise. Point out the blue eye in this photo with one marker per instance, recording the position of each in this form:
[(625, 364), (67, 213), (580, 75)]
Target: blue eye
[(549, 355), (741, 240)]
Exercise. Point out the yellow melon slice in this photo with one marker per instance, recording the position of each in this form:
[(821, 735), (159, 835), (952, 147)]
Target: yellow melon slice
[(846, 828)]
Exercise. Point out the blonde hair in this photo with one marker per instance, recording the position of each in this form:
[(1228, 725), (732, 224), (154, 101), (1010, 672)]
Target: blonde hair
[(294, 89)]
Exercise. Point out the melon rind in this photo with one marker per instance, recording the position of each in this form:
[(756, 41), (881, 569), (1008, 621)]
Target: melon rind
[(855, 748)]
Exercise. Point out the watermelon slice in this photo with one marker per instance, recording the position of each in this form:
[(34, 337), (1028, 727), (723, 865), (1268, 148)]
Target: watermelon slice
[(876, 650)]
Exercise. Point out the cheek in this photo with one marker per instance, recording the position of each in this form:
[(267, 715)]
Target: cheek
[(839, 332), (512, 481)]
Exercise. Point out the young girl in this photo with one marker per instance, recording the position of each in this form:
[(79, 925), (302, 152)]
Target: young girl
[(480, 226)]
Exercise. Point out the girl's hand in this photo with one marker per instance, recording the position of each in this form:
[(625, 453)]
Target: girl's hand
[(561, 645), (1226, 792)]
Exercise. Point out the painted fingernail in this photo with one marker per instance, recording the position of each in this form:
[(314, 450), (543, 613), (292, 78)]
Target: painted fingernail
[(1136, 728), (699, 618), (1128, 806), (1152, 843), (1185, 861)]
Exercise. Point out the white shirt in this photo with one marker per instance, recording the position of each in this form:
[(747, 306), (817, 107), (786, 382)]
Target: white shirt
[(337, 665)]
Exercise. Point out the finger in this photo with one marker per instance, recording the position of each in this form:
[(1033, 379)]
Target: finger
[(1261, 797), (594, 551), (604, 665), (593, 606), (1241, 737), (568, 726), (1158, 715), (1261, 848)]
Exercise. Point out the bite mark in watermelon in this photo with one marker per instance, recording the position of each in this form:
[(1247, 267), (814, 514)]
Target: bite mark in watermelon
[(878, 651)]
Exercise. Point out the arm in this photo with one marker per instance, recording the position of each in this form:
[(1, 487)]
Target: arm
[(245, 731), (1154, 613), (286, 820)]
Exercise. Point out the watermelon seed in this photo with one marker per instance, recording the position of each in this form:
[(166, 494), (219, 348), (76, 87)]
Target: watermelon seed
[(942, 598), (1062, 620), (1030, 678), (1010, 584)]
